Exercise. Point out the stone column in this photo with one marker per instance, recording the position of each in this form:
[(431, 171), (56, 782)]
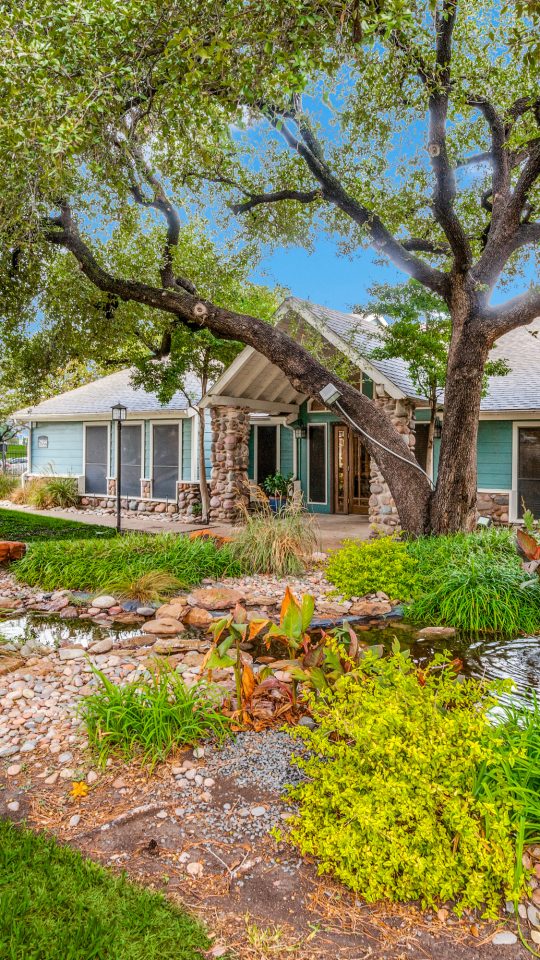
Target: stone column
[(382, 509), (230, 455)]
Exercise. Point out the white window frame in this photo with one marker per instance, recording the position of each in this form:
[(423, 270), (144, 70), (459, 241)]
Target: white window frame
[(513, 493), (318, 503), (97, 423), (180, 424)]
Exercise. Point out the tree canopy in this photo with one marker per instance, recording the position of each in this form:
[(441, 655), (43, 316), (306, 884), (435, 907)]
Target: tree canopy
[(413, 128)]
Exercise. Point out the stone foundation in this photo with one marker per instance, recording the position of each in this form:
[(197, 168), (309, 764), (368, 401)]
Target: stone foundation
[(494, 505), (382, 509), (188, 495), (229, 487)]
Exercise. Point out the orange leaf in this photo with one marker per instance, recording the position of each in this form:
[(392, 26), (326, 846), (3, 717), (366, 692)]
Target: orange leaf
[(248, 682)]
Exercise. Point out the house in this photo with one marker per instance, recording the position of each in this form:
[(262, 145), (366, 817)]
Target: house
[(71, 434), (258, 424)]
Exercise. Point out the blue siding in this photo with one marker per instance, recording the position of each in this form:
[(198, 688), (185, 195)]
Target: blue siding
[(286, 451), (64, 454), (494, 455), (187, 426)]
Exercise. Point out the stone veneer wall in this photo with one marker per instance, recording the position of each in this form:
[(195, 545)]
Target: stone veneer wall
[(494, 505), (229, 485), (187, 494), (382, 509)]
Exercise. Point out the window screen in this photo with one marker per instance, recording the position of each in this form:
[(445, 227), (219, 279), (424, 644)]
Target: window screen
[(529, 470), (266, 452), (95, 467), (131, 460), (165, 460), (317, 463)]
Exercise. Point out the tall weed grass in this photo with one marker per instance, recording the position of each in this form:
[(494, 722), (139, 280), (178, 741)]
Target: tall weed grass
[(8, 485), (149, 718), (46, 492), (115, 563), (281, 544)]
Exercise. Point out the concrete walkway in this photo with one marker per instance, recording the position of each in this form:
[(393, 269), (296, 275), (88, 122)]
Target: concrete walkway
[(332, 528)]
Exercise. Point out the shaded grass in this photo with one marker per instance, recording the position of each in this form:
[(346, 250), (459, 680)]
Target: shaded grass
[(111, 564), (149, 718), (54, 905), (16, 525)]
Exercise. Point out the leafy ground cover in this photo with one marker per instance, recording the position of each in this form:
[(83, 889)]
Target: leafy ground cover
[(150, 717), (471, 581), (54, 905), (115, 563), (394, 804), (16, 525)]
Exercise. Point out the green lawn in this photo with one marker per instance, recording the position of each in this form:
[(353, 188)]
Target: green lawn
[(54, 905), (16, 525)]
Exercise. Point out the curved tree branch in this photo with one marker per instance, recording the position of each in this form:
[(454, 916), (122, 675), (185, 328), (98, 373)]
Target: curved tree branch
[(301, 196)]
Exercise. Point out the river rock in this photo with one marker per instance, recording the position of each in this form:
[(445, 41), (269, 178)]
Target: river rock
[(103, 602), (197, 617), (175, 609), (101, 646), (127, 619), (216, 598), (168, 645), (427, 632), (370, 608), (145, 611), (164, 627), (504, 939), (71, 653)]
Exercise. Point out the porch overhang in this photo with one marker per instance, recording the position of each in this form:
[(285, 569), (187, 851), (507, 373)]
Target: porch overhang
[(254, 382)]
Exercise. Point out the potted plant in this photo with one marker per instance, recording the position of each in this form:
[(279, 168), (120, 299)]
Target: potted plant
[(277, 487)]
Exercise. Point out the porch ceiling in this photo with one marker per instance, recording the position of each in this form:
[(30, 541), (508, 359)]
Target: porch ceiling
[(254, 382)]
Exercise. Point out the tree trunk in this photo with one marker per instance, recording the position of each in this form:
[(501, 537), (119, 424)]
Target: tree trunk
[(453, 505), (203, 482)]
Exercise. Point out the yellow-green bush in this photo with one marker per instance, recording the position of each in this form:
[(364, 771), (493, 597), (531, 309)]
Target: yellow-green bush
[(366, 567), (389, 807)]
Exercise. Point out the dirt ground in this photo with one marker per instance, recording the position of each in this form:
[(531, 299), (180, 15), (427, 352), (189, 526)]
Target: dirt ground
[(257, 898)]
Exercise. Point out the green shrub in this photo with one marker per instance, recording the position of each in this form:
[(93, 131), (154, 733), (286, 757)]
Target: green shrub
[(366, 567), (149, 718), (8, 485), (110, 564), (388, 805), (474, 582), (46, 492), (279, 543)]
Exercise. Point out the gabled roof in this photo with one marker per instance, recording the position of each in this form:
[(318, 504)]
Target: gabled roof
[(264, 387), (97, 397)]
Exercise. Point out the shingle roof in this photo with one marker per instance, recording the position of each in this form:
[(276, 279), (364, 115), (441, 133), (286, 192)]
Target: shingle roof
[(98, 397), (519, 390)]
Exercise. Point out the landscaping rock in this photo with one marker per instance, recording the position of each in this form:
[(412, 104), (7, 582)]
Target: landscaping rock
[(145, 611), (104, 602), (427, 632), (169, 645), (504, 939), (164, 627), (175, 609), (101, 646), (370, 608), (194, 869), (216, 598), (71, 653), (13, 806), (197, 617)]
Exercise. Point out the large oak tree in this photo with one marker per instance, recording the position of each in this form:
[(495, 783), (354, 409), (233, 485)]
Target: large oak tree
[(413, 128)]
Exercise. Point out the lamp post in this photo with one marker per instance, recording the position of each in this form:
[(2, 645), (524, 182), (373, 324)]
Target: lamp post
[(118, 415)]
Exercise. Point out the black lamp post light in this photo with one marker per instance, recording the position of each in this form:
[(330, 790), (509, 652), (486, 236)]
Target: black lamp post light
[(118, 415)]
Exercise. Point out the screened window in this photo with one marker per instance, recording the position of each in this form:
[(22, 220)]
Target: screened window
[(165, 460), (317, 463), (529, 470), (131, 460), (95, 466), (266, 452)]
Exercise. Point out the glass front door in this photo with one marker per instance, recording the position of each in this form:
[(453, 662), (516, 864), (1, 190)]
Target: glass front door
[(351, 472), (528, 485)]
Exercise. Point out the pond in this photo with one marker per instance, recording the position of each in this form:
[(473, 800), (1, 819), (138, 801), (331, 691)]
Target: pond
[(483, 656)]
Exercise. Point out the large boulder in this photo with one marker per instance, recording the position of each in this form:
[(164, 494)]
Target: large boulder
[(216, 598), (197, 617), (11, 550), (164, 627)]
